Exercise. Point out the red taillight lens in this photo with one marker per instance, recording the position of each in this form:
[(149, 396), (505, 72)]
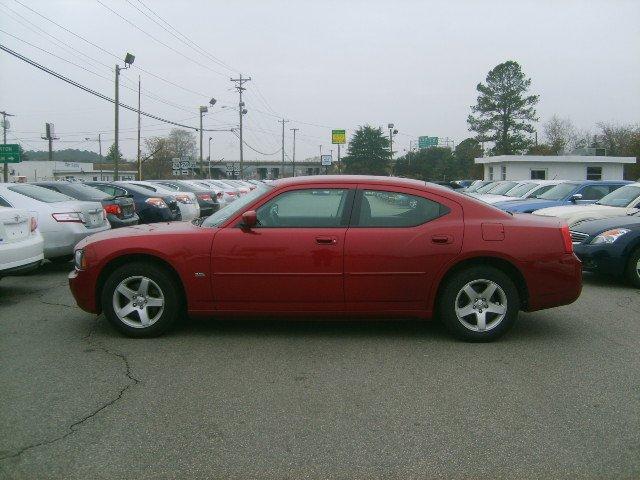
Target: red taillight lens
[(566, 238), (113, 209), (204, 196), (34, 224)]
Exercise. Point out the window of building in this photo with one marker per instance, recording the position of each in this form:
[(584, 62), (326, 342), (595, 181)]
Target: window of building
[(307, 208), (490, 173), (538, 174), (594, 173), (378, 208), (95, 179), (503, 172)]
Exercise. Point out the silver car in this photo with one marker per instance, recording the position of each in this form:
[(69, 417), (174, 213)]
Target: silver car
[(62, 220)]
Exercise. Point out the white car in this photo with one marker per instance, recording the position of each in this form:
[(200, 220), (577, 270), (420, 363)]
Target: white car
[(524, 189), (229, 193), (21, 244), (63, 221), (187, 201), (623, 201)]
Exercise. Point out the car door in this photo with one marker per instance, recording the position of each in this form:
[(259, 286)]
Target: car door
[(398, 241), (292, 260)]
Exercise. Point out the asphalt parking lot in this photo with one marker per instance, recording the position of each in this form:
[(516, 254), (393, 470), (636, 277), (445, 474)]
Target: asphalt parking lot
[(559, 397)]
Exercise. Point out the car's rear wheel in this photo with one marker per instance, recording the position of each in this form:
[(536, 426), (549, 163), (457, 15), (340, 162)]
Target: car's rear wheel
[(141, 300), (479, 303), (633, 268)]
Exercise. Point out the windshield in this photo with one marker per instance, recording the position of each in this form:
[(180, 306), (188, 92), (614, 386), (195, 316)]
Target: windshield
[(622, 197), (40, 193), (485, 188), (84, 192), (230, 210), (502, 188), (558, 192), (521, 190)]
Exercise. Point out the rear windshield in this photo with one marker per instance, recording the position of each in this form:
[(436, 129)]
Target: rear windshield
[(84, 192), (558, 192), (621, 197), (39, 193), (183, 187)]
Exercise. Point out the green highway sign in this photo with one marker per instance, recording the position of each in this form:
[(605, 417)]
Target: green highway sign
[(426, 142), (10, 153)]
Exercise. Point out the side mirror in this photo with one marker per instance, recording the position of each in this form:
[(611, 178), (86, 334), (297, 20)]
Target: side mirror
[(249, 219), (575, 197)]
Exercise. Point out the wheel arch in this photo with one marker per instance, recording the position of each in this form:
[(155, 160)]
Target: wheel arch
[(113, 264), (487, 260)]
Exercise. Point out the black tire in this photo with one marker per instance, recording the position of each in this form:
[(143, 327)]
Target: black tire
[(451, 295), (165, 284), (633, 275), (63, 259)]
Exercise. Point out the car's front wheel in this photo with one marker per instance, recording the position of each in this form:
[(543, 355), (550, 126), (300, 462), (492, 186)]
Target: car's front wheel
[(479, 303), (633, 268), (141, 300)]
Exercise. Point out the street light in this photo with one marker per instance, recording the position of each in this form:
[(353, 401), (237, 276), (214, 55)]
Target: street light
[(392, 132), (203, 110), (128, 61)]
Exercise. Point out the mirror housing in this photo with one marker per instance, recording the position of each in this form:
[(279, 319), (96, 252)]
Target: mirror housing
[(575, 197), (249, 219)]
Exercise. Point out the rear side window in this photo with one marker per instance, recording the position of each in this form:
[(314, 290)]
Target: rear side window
[(594, 192), (378, 208), (39, 193)]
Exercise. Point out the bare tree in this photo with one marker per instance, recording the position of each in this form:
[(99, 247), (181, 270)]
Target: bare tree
[(560, 135)]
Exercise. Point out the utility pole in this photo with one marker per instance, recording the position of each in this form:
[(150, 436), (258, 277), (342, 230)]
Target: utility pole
[(139, 159), (50, 137), (4, 141), (283, 121), (128, 61), (209, 157), (293, 160), (202, 111), (242, 111), (100, 153)]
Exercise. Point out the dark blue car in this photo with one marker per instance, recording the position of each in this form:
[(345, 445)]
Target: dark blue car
[(610, 246), (568, 193)]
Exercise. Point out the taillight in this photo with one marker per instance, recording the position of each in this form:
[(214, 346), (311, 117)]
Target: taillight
[(156, 202), (113, 209), (566, 238), (34, 224), (219, 195), (73, 217), (204, 196)]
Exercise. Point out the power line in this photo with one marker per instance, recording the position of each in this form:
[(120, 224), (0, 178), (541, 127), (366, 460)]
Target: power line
[(255, 150), (93, 92)]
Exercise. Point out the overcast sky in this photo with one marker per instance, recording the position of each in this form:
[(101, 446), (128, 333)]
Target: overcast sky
[(321, 64)]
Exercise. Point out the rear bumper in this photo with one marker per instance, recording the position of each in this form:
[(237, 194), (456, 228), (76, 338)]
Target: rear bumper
[(607, 258), (554, 282), (60, 242), (122, 222), (25, 253)]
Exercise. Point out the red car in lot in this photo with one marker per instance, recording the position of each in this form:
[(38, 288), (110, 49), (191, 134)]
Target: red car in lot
[(352, 246)]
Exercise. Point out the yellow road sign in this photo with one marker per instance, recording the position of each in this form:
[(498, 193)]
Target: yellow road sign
[(338, 136)]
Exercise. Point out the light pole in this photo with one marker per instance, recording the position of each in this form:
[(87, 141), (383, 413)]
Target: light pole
[(99, 150), (293, 160), (5, 126), (204, 110), (392, 132), (128, 61), (209, 156)]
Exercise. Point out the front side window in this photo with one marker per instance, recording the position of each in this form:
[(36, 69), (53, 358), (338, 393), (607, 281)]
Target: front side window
[(558, 192), (594, 173), (39, 193), (308, 208), (594, 192), (379, 208)]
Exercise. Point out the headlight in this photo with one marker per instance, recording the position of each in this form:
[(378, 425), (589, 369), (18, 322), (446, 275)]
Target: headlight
[(609, 236), (79, 259)]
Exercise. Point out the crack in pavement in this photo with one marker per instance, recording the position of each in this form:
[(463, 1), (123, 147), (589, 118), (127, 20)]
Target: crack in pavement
[(72, 428)]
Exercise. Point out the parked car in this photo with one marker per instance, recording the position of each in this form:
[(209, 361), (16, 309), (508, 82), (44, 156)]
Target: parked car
[(207, 198), (223, 193), (623, 201), (475, 185), (187, 201), (63, 221), (21, 244), (151, 207), (610, 246), (498, 188), (568, 193), (480, 188), (282, 250), (524, 189), (232, 190), (464, 183), (242, 188), (120, 211)]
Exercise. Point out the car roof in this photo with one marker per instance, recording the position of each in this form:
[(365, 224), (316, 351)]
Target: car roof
[(346, 179)]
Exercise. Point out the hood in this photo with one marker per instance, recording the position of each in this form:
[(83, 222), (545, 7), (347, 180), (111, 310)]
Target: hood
[(145, 230), (595, 227), (490, 198), (566, 211)]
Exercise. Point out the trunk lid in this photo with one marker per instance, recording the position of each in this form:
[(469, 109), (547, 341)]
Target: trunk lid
[(15, 225)]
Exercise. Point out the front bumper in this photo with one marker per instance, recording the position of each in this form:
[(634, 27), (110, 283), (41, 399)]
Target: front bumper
[(83, 288), (604, 258)]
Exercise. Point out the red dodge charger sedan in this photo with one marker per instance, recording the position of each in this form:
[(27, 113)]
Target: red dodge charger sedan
[(353, 246)]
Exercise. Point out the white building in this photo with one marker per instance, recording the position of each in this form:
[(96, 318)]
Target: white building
[(43, 170), (553, 167)]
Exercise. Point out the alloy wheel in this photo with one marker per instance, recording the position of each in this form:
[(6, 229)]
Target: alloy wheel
[(481, 305), (138, 301)]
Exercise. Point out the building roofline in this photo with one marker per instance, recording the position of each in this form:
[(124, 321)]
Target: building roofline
[(576, 159)]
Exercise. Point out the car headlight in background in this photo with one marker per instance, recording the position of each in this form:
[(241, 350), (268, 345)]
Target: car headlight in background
[(156, 202), (609, 236), (79, 260)]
